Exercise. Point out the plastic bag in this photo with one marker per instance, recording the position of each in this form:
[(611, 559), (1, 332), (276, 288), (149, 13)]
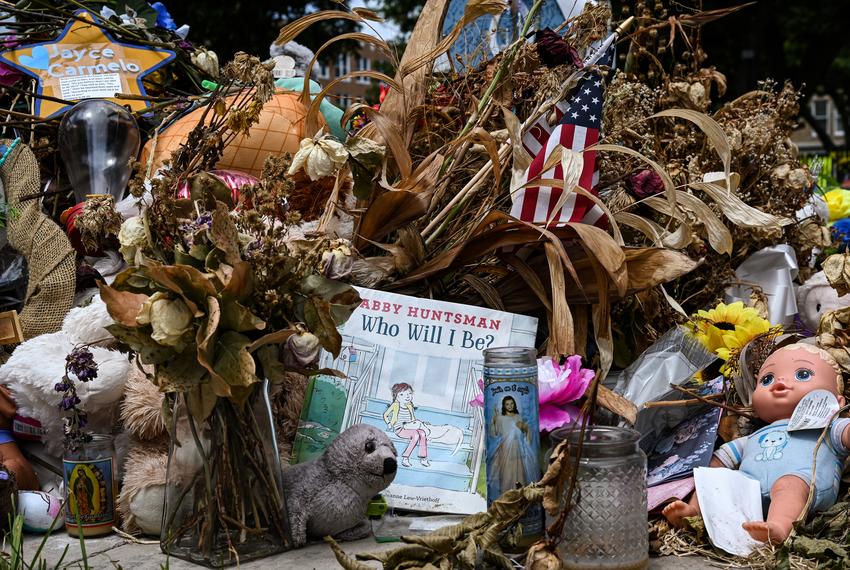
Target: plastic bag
[(13, 280)]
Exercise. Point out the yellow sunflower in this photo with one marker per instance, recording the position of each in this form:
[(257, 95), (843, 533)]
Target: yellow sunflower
[(727, 327)]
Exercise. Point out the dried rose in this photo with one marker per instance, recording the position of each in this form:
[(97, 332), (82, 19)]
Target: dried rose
[(337, 261), (837, 271), (554, 50), (646, 183), (170, 318), (301, 349), (318, 157), (132, 236)]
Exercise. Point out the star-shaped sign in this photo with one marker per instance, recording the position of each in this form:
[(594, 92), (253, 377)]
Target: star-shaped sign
[(84, 62)]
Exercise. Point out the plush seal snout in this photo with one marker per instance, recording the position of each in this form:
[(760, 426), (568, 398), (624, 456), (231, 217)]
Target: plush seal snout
[(390, 465)]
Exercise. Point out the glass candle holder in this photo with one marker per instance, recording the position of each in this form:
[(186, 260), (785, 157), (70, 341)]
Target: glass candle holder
[(512, 436), (89, 475), (606, 528)]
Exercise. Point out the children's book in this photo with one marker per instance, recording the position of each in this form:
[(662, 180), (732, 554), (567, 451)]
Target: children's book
[(411, 367)]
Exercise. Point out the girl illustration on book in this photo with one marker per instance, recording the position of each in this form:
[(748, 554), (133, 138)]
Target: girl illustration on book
[(512, 460), (400, 419)]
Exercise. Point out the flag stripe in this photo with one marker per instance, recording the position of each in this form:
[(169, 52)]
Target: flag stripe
[(577, 127)]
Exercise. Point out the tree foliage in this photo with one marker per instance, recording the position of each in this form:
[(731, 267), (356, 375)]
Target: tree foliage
[(252, 25)]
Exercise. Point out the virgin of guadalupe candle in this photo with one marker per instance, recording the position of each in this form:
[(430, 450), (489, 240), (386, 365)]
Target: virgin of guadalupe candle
[(512, 436)]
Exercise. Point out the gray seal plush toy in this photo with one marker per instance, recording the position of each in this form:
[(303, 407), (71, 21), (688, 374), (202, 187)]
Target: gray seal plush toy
[(329, 495)]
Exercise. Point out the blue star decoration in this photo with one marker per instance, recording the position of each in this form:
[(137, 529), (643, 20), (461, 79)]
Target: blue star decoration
[(85, 62)]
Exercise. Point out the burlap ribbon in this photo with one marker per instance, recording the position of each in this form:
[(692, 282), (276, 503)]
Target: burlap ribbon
[(50, 257)]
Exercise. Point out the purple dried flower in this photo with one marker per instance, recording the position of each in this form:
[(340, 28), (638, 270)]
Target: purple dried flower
[(555, 50), (62, 387), (81, 364), (646, 183), (68, 403)]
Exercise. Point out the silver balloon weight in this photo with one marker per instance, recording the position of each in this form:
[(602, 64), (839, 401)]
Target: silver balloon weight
[(97, 141)]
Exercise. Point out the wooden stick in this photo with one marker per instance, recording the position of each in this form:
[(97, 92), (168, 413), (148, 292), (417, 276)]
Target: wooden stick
[(690, 402), (712, 403)]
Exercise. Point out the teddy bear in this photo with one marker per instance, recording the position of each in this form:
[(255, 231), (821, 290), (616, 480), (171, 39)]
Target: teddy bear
[(816, 297), (38, 364)]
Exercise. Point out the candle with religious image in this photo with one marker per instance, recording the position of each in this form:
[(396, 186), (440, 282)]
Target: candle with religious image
[(512, 435)]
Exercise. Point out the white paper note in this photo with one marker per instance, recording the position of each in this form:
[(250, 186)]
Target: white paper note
[(727, 500), (814, 411)]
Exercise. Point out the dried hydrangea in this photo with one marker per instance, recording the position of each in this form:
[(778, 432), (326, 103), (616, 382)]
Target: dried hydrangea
[(98, 221)]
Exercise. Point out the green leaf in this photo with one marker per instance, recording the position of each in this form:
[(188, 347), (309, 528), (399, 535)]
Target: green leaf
[(365, 163), (342, 297), (189, 283), (235, 365), (237, 317), (223, 234), (818, 548), (183, 258), (180, 374), (207, 338), (205, 186), (201, 401), (320, 321), (239, 284), (140, 341)]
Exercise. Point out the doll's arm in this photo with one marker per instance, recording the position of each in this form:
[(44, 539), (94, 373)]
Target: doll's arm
[(730, 454), (845, 435)]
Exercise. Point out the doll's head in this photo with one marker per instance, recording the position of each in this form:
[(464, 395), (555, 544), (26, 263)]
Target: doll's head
[(402, 393), (789, 374)]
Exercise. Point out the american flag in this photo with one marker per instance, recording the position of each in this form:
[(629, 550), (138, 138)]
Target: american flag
[(579, 118)]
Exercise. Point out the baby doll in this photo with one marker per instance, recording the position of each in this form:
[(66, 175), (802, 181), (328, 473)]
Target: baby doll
[(11, 457), (400, 419), (781, 460)]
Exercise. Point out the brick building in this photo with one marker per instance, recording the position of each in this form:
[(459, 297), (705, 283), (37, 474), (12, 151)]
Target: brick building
[(354, 89)]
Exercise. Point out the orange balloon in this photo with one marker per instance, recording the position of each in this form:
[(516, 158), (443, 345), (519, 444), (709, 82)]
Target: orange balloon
[(280, 130)]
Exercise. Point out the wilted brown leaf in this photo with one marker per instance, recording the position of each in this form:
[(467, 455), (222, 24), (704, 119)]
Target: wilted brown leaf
[(561, 339), (122, 306), (407, 201)]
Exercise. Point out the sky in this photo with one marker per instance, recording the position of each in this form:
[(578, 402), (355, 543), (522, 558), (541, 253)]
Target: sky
[(385, 30)]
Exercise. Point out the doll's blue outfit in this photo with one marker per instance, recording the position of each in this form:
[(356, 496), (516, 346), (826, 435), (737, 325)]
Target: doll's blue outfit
[(773, 452)]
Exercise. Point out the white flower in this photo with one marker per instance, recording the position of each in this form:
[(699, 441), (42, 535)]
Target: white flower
[(319, 157), (301, 349), (132, 237), (170, 318), (206, 60), (338, 260)]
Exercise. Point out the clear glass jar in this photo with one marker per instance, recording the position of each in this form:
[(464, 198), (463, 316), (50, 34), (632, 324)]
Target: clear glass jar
[(89, 475), (224, 500), (606, 529), (512, 434)]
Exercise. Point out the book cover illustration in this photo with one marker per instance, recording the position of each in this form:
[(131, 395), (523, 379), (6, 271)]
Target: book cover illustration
[(411, 367)]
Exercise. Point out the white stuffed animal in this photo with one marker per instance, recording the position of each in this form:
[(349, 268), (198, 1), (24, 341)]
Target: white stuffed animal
[(39, 363), (816, 297)]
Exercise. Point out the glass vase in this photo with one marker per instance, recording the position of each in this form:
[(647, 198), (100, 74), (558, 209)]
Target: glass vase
[(224, 501), (89, 476), (606, 527)]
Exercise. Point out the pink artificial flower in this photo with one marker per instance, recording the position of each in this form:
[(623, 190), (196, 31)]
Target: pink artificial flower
[(558, 385), (478, 402)]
